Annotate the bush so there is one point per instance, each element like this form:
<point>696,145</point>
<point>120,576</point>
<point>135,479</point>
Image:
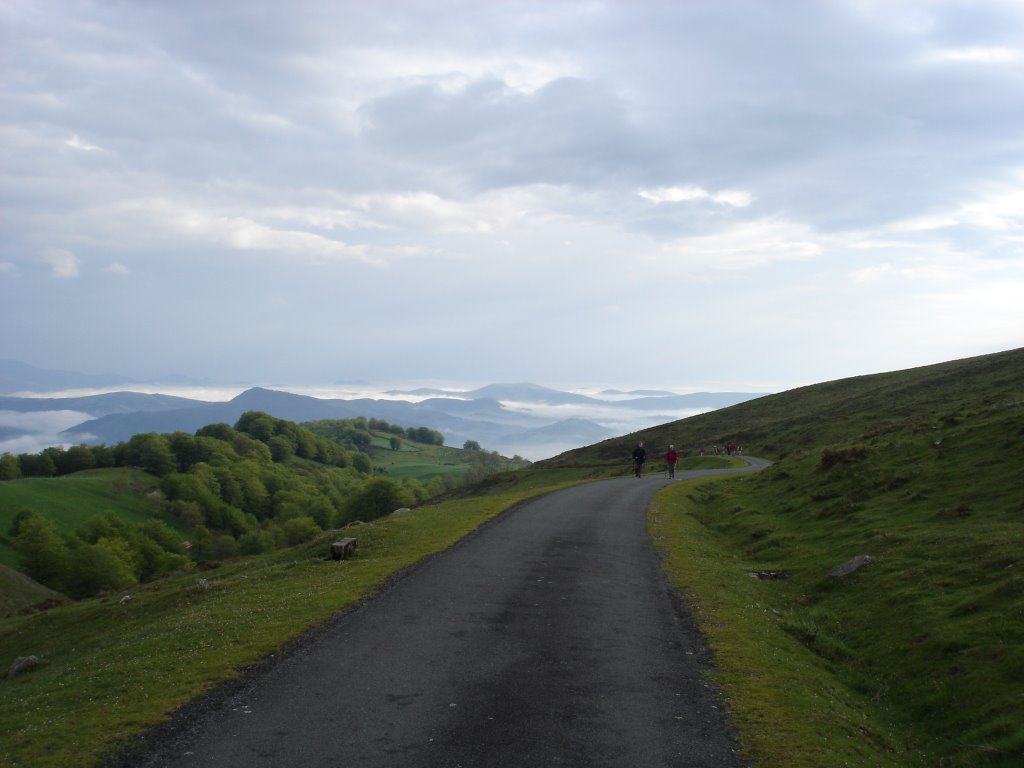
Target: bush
<point>853,454</point>
<point>42,553</point>
<point>299,529</point>
<point>256,542</point>
<point>378,497</point>
<point>100,567</point>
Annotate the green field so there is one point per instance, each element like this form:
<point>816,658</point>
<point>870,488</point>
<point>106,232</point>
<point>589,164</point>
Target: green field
<point>71,500</point>
<point>420,462</point>
<point>423,462</point>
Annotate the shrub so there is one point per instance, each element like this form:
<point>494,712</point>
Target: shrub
<point>852,454</point>
<point>256,542</point>
<point>299,529</point>
<point>94,568</point>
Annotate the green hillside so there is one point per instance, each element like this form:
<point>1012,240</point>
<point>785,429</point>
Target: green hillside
<point>931,401</point>
<point>423,462</point>
<point>71,500</point>
<point>918,658</point>
<point>20,593</point>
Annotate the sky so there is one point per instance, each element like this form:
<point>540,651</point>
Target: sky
<point>733,195</point>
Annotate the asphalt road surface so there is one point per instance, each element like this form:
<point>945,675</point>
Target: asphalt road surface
<point>548,638</point>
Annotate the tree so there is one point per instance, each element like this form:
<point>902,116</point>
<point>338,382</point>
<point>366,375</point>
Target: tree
<point>151,452</point>
<point>255,542</point>
<point>378,497</point>
<point>37,465</point>
<point>94,568</point>
<point>257,424</point>
<point>219,431</point>
<point>10,468</point>
<point>187,450</point>
<point>42,553</point>
<point>299,529</point>
<point>361,462</point>
<point>396,444</point>
<point>281,448</point>
<point>77,458</point>
<point>471,445</point>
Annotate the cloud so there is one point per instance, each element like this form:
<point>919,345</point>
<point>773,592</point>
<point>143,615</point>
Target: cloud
<point>907,271</point>
<point>493,160</point>
<point>734,197</point>
<point>748,245</point>
<point>979,55</point>
<point>230,230</point>
<point>76,143</point>
<point>483,134</point>
<point>32,432</point>
<point>63,263</point>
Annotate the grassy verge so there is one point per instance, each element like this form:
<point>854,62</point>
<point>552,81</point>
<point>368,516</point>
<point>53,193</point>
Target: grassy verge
<point>790,708</point>
<point>929,636</point>
<point>112,669</point>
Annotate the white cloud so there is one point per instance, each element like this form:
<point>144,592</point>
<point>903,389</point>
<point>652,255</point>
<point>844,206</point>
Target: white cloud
<point>911,271</point>
<point>231,230</point>
<point>924,223</point>
<point>733,197</point>
<point>34,431</point>
<point>117,268</point>
<point>1002,209</point>
<point>63,263</point>
<point>997,207</point>
<point>979,55</point>
<point>748,245</point>
<point>76,143</point>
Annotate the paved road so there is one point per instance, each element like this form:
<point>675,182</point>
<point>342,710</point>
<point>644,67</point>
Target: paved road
<point>550,638</point>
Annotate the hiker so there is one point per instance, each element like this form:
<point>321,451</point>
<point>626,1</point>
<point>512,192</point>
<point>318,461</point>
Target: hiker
<point>671,457</point>
<point>639,457</point>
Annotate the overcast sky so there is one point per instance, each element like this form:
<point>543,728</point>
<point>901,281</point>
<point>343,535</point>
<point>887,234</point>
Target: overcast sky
<point>737,194</point>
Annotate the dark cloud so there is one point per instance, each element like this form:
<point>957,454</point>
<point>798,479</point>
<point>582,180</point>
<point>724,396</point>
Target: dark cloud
<point>488,135</point>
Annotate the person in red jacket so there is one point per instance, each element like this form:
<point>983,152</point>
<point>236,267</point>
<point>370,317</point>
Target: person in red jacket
<point>671,457</point>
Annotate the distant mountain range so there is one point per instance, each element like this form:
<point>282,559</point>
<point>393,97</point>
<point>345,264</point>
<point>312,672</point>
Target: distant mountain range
<point>508,418</point>
<point>16,376</point>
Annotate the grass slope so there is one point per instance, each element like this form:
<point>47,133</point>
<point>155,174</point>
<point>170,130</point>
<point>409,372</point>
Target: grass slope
<point>423,462</point>
<point>918,658</point>
<point>20,593</point>
<point>71,500</point>
<point>929,400</point>
<point>111,669</point>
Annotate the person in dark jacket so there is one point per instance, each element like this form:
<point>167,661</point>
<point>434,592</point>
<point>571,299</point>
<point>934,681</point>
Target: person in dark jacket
<point>639,457</point>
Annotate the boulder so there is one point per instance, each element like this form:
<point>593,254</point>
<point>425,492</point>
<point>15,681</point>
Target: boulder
<point>850,567</point>
<point>21,664</point>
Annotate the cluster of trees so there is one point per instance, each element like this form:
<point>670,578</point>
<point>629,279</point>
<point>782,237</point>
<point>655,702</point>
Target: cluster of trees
<point>357,433</point>
<point>256,435</point>
<point>261,484</point>
<point>106,553</point>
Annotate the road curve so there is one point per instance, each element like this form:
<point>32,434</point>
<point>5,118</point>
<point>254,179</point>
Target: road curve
<point>549,638</point>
